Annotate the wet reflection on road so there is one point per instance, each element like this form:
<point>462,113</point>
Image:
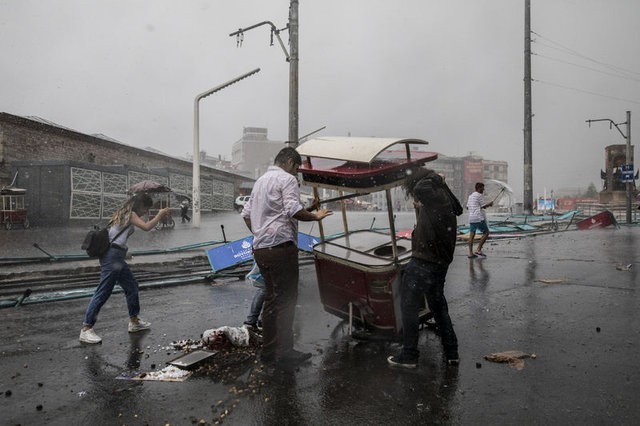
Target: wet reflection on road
<point>355,376</point>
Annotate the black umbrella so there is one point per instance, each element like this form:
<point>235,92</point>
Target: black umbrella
<point>182,197</point>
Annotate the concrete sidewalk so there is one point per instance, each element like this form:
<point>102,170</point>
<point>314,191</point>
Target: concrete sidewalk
<point>570,298</point>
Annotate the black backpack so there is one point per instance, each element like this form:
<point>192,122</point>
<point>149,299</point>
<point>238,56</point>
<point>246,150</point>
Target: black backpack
<point>96,243</point>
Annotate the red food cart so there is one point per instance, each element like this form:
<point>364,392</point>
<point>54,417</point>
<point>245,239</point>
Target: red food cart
<point>12,208</point>
<point>359,271</point>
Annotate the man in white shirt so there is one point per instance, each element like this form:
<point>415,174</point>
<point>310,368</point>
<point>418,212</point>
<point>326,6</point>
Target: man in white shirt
<point>477,220</point>
<point>272,215</point>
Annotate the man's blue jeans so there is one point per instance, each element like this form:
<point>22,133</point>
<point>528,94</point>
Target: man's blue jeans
<point>256,306</point>
<point>113,269</point>
<point>420,279</point>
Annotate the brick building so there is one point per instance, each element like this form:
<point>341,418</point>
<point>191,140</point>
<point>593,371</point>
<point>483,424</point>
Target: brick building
<point>71,176</point>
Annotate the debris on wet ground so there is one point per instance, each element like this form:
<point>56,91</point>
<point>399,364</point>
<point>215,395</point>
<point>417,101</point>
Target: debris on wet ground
<point>191,359</point>
<point>223,355</point>
<point>187,344</point>
<point>167,374</point>
<point>621,267</point>
<point>223,337</point>
<point>551,280</point>
<point>515,359</point>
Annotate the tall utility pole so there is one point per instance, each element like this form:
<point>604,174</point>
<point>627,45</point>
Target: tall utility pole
<point>293,74</point>
<point>628,159</point>
<point>527,197</point>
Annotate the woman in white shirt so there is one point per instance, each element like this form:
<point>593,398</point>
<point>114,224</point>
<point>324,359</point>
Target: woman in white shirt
<point>114,268</point>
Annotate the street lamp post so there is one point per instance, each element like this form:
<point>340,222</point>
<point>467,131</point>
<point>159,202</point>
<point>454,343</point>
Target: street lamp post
<point>628,159</point>
<point>196,143</point>
<point>292,58</point>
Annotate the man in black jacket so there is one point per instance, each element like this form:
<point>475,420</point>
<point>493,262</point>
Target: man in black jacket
<point>433,243</point>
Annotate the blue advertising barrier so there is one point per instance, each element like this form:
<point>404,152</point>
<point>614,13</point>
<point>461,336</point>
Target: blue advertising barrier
<point>239,251</point>
<point>230,254</point>
<point>306,242</point>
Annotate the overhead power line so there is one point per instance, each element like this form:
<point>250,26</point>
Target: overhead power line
<point>585,91</point>
<point>580,55</point>
<point>624,77</point>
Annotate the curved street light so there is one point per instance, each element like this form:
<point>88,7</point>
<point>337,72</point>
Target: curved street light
<point>196,143</point>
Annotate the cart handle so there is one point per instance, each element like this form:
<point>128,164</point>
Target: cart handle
<point>316,203</point>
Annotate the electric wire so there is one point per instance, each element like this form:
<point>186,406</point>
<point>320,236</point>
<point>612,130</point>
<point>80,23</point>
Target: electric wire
<point>585,91</point>
<point>618,72</point>
<point>587,68</point>
<point>576,53</point>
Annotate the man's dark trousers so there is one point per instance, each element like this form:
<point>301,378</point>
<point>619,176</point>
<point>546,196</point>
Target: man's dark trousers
<point>420,279</point>
<point>279,267</point>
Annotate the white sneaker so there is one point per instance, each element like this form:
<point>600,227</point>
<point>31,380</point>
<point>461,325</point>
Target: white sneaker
<point>138,326</point>
<point>89,336</point>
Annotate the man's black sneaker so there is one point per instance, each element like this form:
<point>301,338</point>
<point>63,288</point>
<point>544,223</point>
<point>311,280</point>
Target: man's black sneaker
<point>256,328</point>
<point>401,361</point>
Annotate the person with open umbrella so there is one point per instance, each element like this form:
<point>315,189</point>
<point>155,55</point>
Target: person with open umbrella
<point>184,210</point>
<point>114,268</point>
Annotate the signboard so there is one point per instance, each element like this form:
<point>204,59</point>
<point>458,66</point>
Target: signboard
<point>306,242</point>
<point>230,254</point>
<point>240,251</point>
<point>546,204</point>
<point>626,174</point>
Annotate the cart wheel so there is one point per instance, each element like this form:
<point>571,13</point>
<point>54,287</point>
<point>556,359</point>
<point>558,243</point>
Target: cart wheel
<point>25,224</point>
<point>171,223</point>
<point>158,226</point>
<point>8,225</point>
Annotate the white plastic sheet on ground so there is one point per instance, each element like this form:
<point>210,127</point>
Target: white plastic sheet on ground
<point>237,336</point>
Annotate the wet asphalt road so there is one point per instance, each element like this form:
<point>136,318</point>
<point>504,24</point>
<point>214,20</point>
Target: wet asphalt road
<point>584,330</point>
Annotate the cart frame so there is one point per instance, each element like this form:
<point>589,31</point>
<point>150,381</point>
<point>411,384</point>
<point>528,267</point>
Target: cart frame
<point>12,208</point>
<point>359,272</point>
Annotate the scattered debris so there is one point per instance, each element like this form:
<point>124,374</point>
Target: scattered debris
<point>187,344</point>
<point>224,337</point>
<point>167,374</point>
<point>600,220</point>
<point>191,359</point>
<point>621,267</point>
<point>551,281</point>
<point>515,359</point>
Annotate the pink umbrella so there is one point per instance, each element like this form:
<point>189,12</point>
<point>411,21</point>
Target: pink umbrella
<point>149,186</point>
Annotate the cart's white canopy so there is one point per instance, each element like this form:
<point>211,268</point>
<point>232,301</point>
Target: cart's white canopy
<point>358,149</point>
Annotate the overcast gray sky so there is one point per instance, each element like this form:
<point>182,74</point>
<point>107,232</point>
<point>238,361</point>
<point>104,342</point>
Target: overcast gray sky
<point>448,71</point>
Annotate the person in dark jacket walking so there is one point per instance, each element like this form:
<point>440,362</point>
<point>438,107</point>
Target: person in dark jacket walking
<point>184,210</point>
<point>433,243</point>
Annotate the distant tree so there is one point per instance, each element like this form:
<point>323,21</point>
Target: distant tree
<point>592,192</point>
